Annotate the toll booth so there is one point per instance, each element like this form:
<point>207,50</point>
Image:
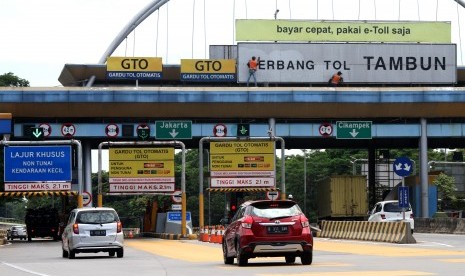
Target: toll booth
<point>170,222</point>
<point>414,184</point>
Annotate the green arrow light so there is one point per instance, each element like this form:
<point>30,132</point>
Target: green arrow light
<point>143,134</point>
<point>243,130</point>
<point>37,133</point>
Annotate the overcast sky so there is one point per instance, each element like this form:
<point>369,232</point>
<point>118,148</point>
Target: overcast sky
<point>39,37</point>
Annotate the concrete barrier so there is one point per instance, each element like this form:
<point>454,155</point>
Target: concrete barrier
<point>2,236</point>
<point>394,232</point>
<point>440,225</point>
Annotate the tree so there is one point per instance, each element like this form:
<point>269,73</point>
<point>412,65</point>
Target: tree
<point>446,187</point>
<point>10,80</point>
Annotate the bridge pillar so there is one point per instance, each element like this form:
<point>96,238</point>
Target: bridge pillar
<point>424,169</point>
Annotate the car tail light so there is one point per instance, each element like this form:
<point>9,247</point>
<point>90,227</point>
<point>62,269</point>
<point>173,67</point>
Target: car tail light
<point>119,227</point>
<point>76,228</point>
<point>383,216</point>
<point>247,222</point>
<point>304,221</point>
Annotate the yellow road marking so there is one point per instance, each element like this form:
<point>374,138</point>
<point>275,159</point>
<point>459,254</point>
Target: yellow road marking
<point>380,249</point>
<point>452,260</point>
<point>191,252</point>
<point>359,273</point>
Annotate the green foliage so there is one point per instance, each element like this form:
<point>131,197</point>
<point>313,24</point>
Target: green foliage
<point>10,80</point>
<point>446,186</point>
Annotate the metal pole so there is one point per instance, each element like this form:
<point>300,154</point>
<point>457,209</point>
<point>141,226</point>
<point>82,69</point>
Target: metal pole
<point>305,181</point>
<point>424,169</point>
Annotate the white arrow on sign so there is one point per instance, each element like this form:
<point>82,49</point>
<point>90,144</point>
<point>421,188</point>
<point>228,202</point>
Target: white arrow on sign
<point>353,133</point>
<point>399,167</point>
<point>173,133</point>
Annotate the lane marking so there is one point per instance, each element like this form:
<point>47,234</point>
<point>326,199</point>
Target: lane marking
<point>451,260</point>
<point>359,273</point>
<point>24,269</point>
<point>388,250</point>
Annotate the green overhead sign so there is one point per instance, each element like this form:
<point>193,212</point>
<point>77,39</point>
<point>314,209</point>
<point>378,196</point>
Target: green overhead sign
<point>173,130</point>
<point>353,129</point>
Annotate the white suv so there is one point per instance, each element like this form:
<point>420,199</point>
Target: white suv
<point>390,211</point>
<point>92,230</point>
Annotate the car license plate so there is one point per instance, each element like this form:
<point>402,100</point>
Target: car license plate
<point>98,232</point>
<point>277,229</point>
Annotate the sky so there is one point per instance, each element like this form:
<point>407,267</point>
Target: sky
<point>40,36</point>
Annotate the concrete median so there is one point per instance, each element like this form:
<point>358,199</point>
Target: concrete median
<point>394,232</point>
<point>440,225</point>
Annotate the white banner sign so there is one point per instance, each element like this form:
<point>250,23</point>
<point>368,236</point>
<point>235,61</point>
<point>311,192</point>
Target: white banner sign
<point>46,186</point>
<point>242,182</point>
<point>141,180</point>
<point>358,62</point>
<point>136,188</point>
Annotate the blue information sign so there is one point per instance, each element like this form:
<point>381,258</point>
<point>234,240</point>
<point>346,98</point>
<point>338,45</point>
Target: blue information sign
<point>5,126</point>
<point>403,166</point>
<point>37,163</point>
<point>176,216</point>
<point>403,197</point>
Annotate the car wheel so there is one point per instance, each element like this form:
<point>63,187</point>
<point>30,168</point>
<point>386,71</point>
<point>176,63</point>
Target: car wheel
<point>120,253</point>
<point>111,253</point>
<point>307,258</point>
<point>290,259</point>
<point>64,253</point>
<point>227,260</point>
<point>241,259</point>
<point>71,254</point>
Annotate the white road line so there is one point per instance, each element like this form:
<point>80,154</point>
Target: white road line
<point>24,270</point>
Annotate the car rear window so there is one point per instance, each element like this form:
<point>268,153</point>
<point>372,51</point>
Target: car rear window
<point>97,217</point>
<point>394,207</point>
<point>275,209</point>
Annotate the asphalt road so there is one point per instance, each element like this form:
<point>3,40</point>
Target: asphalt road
<point>431,255</point>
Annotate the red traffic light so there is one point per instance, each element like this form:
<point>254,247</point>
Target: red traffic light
<point>233,208</point>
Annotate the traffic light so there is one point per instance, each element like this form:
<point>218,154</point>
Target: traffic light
<point>232,204</point>
<point>243,130</point>
<point>37,133</point>
<point>143,134</point>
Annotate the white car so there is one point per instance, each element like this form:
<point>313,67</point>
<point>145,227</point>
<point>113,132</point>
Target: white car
<point>390,211</point>
<point>92,230</point>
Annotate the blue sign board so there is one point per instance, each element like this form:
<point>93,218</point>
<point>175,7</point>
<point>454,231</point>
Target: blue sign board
<point>403,197</point>
<point>176,216</point>
<point>403,166</point>
<point>5,126</point>
<point>37,163</point>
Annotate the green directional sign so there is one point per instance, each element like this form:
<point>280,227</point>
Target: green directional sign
<point>173,130</point>
<point>243,130</point>
<point>353,129</point>
<point>37,133</point>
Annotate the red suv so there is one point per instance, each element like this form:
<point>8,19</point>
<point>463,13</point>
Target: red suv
<point>267,228</point>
